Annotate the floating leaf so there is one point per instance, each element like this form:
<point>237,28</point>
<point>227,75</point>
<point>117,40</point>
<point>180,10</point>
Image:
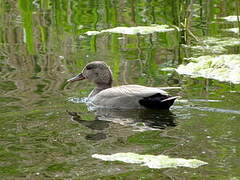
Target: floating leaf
<point>168,69</point>
<point>91,33</point>
<point>235,178</point>
<point>223,41</point>
<point>152,161</point>
<point>214,45</point>
<point>134,30</point>
<point>234,30</point>
<point>222,68</point>
<point>206,48</point>
<point>231,18</point>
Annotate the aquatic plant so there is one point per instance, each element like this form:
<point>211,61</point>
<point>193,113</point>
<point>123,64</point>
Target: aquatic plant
<point>214,44</point>
<point>230,18</point>
<point>152,161</point>
<point>133,30</point>
<point>222,67</point>
<point>234,30</point>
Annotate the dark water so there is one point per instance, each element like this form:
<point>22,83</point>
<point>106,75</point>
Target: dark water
<point>47,134</point>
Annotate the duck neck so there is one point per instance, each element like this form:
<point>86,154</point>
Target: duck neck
<point>99,88</point>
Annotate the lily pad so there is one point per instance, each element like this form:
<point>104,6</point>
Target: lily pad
<point>133,30</point>
<point>152,161</point>
<point>222,67</point>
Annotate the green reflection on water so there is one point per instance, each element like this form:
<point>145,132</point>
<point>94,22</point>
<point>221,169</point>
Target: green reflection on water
<point>26,9</point>
<point>7,86</point>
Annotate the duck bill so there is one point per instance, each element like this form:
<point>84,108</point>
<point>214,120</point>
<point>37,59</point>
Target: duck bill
<point>79,77</point>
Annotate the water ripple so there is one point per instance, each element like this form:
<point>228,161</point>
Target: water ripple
<point>209,109</point>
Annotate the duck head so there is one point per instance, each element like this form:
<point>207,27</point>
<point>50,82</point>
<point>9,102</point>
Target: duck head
<point>97,72</point>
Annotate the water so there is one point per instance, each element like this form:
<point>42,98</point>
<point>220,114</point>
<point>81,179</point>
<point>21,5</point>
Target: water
<point>46,136</point>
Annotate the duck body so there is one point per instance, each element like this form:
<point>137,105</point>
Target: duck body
<point>132,97</point>
<point>121,97</point>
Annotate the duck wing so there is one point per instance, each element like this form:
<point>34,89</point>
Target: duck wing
<point>157,101</point>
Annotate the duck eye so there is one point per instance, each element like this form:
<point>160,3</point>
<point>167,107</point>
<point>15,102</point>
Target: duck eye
<point>89,67</point>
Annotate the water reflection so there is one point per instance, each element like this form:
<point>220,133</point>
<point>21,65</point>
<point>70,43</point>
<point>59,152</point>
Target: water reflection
<point>94,124</point>
<point>140,120</point>
<point>96,137</point>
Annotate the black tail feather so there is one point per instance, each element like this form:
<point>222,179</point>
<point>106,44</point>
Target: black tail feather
<point>157,101</point>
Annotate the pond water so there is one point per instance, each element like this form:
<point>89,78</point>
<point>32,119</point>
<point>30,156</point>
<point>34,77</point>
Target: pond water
<point>48,132</point>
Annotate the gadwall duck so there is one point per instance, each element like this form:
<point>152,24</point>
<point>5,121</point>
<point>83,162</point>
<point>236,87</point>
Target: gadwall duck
<point>122,97</point>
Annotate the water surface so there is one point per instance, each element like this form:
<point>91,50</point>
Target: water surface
<point>46,136</point>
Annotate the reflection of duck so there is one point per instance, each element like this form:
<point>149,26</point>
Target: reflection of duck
<point>94,124</point>
<point>123,97</point>
<point>141,119</point>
